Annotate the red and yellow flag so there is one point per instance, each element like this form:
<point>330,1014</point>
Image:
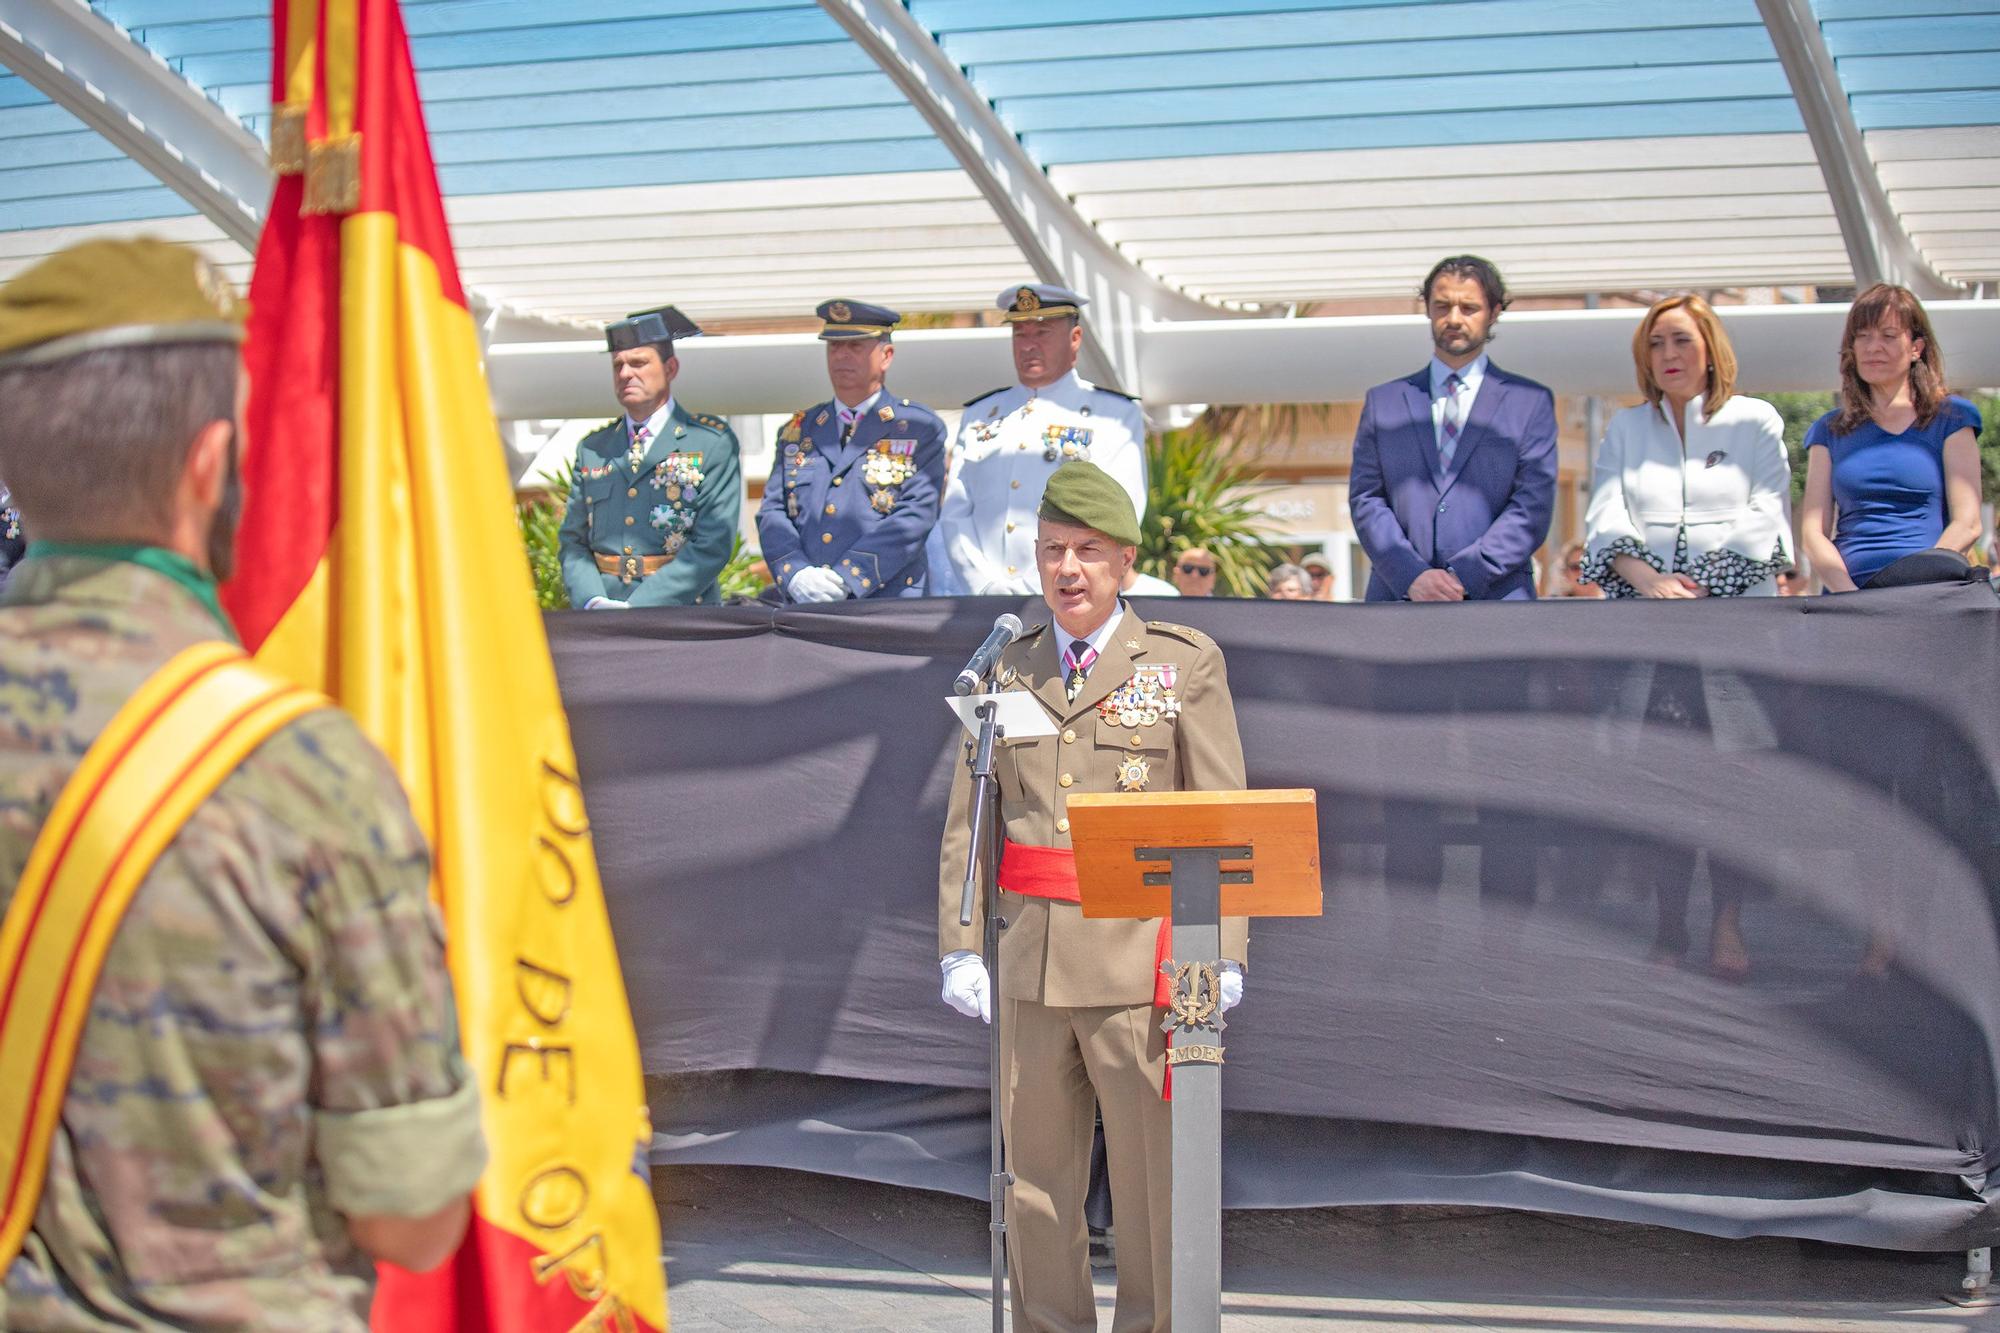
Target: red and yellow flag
<point>380,562</point>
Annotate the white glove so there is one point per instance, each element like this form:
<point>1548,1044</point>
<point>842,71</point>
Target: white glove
<point>606,604</point>
<point>816,583</point>
<point>965,986</point>
<point>1230,977</point>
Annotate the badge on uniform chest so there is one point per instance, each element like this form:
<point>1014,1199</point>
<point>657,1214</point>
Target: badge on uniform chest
<point>1065,442</point>
<point>1146,699</point>
<point>678,478</point>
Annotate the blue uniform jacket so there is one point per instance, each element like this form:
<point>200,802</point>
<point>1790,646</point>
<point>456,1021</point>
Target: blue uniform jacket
<point>862,509</point>
<point>1484,516</point>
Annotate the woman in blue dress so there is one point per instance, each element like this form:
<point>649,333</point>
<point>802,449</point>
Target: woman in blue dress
<point>1893,470</point>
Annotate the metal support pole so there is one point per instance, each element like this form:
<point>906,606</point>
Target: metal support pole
<point>981,860</point>
<point>1195,1066</point>
<point>1976,1287</point>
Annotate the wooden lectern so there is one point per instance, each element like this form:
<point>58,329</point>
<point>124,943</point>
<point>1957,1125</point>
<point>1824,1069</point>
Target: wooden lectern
<point>1199,856</point>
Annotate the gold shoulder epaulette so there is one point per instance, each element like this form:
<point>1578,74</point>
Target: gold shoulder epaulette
<point>1187,633</point>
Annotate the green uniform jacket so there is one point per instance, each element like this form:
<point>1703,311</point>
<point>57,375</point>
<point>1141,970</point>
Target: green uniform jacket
<point>683,501</point>
<point>1122,733</point>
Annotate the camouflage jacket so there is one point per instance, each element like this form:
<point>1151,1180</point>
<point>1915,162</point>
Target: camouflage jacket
<point>272,1044</point>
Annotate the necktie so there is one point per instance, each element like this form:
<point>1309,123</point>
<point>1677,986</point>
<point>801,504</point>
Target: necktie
<point>640,435</point>
<point>1077,659</point>
<point>847,420</point>
<point>1448,434</point>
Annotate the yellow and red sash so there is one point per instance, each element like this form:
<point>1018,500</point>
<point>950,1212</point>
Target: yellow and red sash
<point>167,750</point>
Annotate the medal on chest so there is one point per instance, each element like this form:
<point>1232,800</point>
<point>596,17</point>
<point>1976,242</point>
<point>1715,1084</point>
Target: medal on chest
<point>1065,442</point>
<point>1133,772</point>
<point>1145,699</point>
<point>678,478</point>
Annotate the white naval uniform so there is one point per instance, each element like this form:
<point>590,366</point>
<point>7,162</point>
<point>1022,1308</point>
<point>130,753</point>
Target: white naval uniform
<point>999,469</point>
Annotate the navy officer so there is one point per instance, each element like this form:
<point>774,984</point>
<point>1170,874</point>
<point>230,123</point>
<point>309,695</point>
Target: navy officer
<point>1013,439</point>
<point>654,504</point>
<point>855,490</point>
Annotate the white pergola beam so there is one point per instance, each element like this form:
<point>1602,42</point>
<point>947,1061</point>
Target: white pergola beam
<point>1877,246</point>
<point>95,70</point>
<point>1779,347</point>
<point>1059,244</point>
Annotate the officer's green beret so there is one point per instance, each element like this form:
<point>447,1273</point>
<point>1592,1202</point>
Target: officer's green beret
<point>116,294</point>
<point>1084,494</point>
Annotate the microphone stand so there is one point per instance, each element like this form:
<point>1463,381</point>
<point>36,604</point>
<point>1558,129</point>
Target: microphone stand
<point>980,856</point>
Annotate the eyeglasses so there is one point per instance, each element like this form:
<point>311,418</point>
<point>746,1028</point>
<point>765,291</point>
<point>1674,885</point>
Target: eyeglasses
<point>1203,570</point>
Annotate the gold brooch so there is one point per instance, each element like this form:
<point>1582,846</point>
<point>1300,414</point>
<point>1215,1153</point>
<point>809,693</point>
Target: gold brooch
<point>1195,999</point>
<point>1132,774</point>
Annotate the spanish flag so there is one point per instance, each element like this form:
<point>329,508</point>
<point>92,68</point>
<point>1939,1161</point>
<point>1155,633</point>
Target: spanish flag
<point>379,562</point>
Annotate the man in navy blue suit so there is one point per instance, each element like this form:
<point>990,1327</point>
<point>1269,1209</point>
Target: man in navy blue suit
<point>1454,475</point>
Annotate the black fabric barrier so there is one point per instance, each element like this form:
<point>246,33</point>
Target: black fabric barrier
<point>1531,817</point>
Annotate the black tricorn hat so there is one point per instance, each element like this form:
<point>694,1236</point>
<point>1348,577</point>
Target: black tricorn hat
<point>642,328</point>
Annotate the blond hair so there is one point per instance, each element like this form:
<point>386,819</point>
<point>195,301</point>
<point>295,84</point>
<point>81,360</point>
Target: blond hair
<point>1720,355</point>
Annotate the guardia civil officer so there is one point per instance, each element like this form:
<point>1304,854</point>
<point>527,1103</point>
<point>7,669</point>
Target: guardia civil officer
<point>1138,706</point>
<point>1011,441</point>
<point>654,506</point>
<point>855,491</point>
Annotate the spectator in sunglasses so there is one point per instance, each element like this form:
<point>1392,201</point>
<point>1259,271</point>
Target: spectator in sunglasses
<point>1194,573</point>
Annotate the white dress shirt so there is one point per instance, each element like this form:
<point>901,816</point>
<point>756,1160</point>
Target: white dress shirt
<point>1099,639</point>
<point>857,412</point>
<point>1470,377</point>
<point>999,468</point>
<point>1729,482</point>
<point>654,424</point>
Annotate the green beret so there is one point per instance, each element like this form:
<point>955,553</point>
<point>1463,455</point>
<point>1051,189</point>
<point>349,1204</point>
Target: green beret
<point>1084,494</point>
<point>116,294</point>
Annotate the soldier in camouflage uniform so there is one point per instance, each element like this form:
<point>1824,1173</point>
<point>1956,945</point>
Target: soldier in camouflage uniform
<point>268,1092</point>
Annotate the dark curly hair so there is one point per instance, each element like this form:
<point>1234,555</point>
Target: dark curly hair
<point>1479,270</point>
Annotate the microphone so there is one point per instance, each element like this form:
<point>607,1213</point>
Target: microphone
<point>1006,629</point>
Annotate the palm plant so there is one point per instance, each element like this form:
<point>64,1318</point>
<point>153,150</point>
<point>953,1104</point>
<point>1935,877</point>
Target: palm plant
<point>540,521</point>
<point>1199,496</point>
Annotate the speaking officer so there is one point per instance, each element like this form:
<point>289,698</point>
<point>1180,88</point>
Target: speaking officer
<point>1140,706</point>
<point>655,500</point>
<point>1012,439</point>
<point>856,490</point>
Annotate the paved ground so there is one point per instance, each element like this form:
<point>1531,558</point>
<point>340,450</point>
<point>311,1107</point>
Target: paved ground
<point>753,1248</point>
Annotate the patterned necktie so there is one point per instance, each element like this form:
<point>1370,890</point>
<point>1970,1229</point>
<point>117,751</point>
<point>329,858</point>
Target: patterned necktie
<point>847,419</point>
<point>1448,434</point>
<point>637,454</point>
<point>1076,660</point>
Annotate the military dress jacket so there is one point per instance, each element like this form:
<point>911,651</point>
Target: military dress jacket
<point>864,508</point>
<point>680,505</point>
<point>271,1044</point>
<point>1009,442</point>
<point>1154,714</point>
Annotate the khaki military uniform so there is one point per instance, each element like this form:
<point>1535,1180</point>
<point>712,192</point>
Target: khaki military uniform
<point>1076,995</point>
<point>271,1045</point>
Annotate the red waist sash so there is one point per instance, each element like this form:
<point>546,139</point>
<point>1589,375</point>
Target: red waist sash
<point>1050,872</point>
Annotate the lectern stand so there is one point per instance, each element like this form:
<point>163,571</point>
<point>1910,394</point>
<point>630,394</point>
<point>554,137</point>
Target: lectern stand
<point>1205,855</point>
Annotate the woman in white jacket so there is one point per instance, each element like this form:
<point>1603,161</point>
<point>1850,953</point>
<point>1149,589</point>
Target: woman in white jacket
<point>1692,498</point>
<point>1692,491</point>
